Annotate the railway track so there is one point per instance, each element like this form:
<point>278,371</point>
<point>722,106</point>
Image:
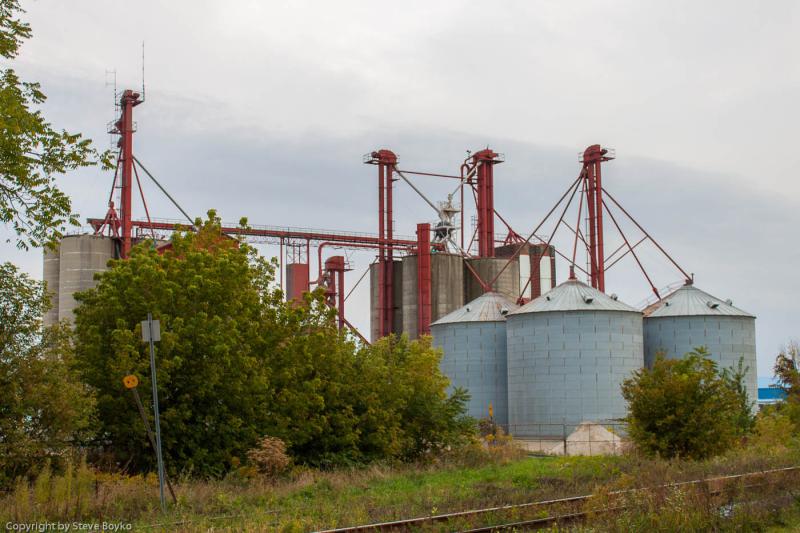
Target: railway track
<point>563,511</point>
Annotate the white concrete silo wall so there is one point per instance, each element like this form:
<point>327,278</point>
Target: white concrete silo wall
<point>81,256</point>
<point>566,367</point>
<point>475,359</point>
<point>50,274</point>
<point>727,338</point>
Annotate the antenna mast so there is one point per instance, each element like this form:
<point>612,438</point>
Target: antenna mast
<point>143,93</point>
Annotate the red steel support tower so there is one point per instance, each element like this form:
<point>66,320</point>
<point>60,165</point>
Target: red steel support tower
<point>334,287</point>
<point>125,127</point>
<point>593,156</point>
<point>485,161</point>
<point>424,279</point>
<point>386,161</point>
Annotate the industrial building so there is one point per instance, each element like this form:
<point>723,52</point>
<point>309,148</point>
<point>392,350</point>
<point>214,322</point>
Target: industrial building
<point>541,354</point>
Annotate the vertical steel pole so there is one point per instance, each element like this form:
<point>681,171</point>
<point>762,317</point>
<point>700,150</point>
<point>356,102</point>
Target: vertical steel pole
<point>340,294</point>
<point>461,192</point>
<point>485,161</point>
<point>156,420</point>
<point>281,262</point>
<point>125,127</point>
<point>598,187</point>
<point>151,438</point>
<point>591,198</point>
<point>381,257</point>
<point>389,293</point>
<point>423,279</point>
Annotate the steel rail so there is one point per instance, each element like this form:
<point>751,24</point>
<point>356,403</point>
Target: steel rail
<point>715,484</point>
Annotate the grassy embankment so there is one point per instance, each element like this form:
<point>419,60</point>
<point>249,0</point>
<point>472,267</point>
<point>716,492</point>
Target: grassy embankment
<point>308,500</point>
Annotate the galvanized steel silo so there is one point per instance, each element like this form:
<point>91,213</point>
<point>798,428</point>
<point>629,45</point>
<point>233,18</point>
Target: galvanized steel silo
<point>689,318</point>
<point>473,339</point>
<point>568,352</point>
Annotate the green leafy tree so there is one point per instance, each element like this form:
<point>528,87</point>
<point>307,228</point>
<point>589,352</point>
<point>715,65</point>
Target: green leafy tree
<point>736,378</point>
<point>44,408</point>
<point>683,408</point>
<point>32,152</point>
<point>406,411</point>
<point>787,374</point>
<point>236,364</point>
<point>214,388</point>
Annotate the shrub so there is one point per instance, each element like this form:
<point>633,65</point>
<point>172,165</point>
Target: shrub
<point>774,430</point>
<point>788,377</point>
<point>45,410</point>
<point>269,457</point>
<point>683,408</point>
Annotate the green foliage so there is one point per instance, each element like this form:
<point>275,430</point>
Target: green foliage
<point>736,380</point>
<point>44,408</point>
<point>67,494</point>
<point>787,373</point>
<point>405,411</point>
<point>32,152</point>
<point>236,363</point>
<point>684,408</point>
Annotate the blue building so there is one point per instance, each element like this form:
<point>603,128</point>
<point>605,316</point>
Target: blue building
<point>770,395</point>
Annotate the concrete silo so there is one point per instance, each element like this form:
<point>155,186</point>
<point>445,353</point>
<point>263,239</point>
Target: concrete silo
<point>447,289</point>
<point>50,274</point>
<point>487,268</point>
<point>689,318</point>
<point>397,290</point>
<point>568,353</point>
<point>71,268</point>
<point>473,339</point>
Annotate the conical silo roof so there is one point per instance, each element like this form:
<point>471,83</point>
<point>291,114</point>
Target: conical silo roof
<point>489,307</point>
<point>691,301</point>
<point>573,295</point>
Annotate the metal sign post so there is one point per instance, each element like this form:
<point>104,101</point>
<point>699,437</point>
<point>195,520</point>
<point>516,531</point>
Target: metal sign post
<point>151,332</point>
<point>131,382</point>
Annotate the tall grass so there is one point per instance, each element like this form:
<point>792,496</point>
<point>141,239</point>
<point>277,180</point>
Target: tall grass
<point>306,499</point>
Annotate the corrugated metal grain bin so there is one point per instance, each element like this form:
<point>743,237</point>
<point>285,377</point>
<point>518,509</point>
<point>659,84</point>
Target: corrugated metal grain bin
<point>568,353</point>
<point>689,318</point>
<point>473,339</point>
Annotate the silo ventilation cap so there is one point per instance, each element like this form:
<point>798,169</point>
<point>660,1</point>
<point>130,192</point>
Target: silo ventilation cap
<point>729,301</point>
<point>588,299</point>
<point>469,309</point>
<point>614,296</point>
<point>504,311</point>
<point>712,305</point>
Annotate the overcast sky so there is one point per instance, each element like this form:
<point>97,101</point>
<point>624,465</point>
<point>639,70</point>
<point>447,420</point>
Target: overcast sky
<point>264,109</point>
